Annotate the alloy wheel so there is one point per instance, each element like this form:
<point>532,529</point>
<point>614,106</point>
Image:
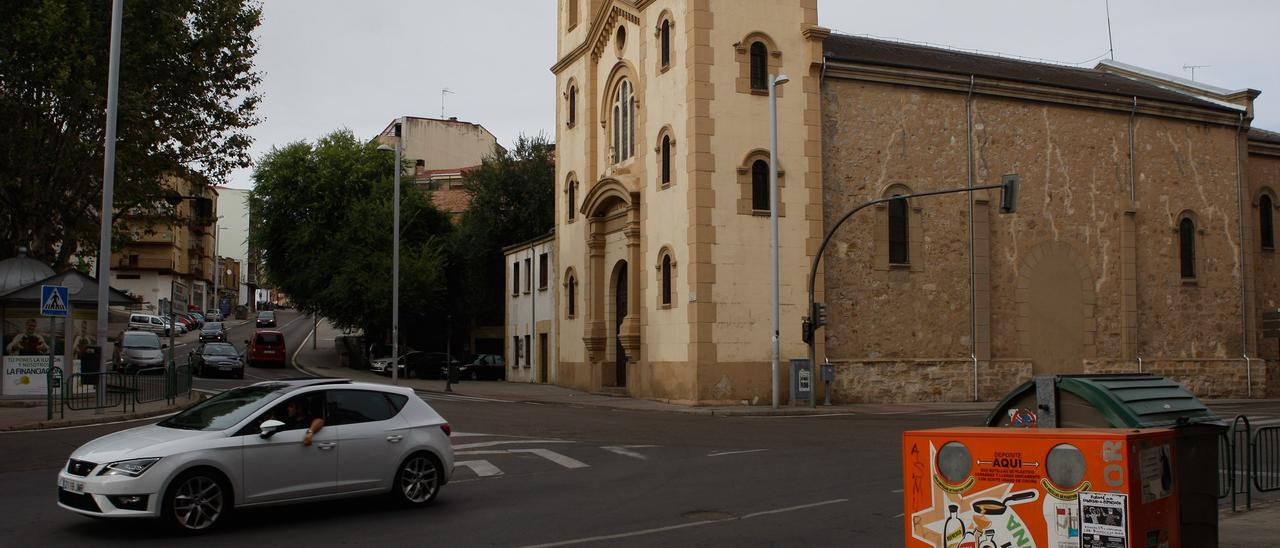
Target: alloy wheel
<point>198,503</point>
<point>419,479</point>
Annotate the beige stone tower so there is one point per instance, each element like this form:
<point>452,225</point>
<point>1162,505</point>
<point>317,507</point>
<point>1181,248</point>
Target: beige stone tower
<point>662,248</point>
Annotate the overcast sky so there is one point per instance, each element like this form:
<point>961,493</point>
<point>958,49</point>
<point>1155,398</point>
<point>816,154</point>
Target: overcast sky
<point>329,64</point>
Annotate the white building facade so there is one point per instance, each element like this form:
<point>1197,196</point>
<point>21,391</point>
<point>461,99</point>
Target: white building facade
<point>530,347</point>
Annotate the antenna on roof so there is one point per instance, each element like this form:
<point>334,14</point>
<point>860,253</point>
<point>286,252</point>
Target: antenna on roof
<point>1111,45</point>
<point>442,92</point>
<point>1193,68</point>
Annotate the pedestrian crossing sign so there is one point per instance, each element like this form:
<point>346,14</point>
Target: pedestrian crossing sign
<point>53,300</point>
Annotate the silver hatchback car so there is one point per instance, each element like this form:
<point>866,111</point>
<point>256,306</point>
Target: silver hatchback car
<point>269,443</point>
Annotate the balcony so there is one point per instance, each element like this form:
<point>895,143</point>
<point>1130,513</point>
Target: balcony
<point>134,262</point>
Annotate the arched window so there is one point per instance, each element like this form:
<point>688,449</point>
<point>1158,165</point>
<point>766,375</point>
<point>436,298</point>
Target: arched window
<point>759,66</point>
<point>573,105</point>
<point>1187,247</point>
<point>623,123</point>
<point>760,185</point>
<point>666,159</point>
<point>572,294</point>
<point>899,233</point>
<point>666,280</point>
<point>664,39</point>
<point>1265,222</point>
<point>573,199</point>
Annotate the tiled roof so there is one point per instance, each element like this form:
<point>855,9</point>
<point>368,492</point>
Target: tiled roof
<point>859,49</point>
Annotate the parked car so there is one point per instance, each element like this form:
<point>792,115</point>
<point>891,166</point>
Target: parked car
<point>482,366</point>
<point>190,321</point>
<point>139,350</point>
<point>198,317</point>
<point>266,318</point>
<point>183,470</point>
<point>148,322</point>
<point>382,366</point>
<point>435,365</point>
<point>213,331</point>
<point>213,315</point>
<point>266,347</point>
<point>220,357</point>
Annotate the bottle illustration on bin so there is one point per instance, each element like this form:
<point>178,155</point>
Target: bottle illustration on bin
<point>988,539</point>
<point>953,528</point>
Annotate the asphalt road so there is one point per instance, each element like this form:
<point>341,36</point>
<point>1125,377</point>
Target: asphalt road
<point>533,475</point>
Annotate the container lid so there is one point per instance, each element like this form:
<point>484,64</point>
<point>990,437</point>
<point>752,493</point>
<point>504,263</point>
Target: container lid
<point>1124,401</point>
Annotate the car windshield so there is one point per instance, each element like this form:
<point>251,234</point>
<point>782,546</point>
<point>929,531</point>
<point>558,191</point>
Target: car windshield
<point>268,338</point>
<point>213,326</point>
<point>145,341</point>
<point>267,315</point>
<point>226,409</point>
<point>220,350</point>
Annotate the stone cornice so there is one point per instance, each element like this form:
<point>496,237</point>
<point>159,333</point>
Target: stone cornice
<point>1261,148</point>
<point>597,34</point>
<point>1021,90</point>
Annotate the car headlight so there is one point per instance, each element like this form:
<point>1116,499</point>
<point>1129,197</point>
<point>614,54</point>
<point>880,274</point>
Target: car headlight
<point>131,468</point>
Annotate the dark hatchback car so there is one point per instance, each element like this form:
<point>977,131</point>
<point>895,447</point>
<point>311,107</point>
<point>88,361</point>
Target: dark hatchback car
<point>217,357</point>
<point>213,332</point>
<point>482,366</point>
<point>266,318</point>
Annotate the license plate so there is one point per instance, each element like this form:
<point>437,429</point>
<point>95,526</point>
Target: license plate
<point>224,368</point>
<point>71,485</point>
<point>268,351</point>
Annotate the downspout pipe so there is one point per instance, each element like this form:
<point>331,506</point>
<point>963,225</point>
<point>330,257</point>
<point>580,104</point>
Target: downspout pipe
<point>1133,201</point>
<point>973,265</point>
<point>1244,270</point>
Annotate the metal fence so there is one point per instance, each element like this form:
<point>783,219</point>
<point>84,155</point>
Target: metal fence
<point>1266,458</point>
<point>1239,462</point>
<point>80,391</point>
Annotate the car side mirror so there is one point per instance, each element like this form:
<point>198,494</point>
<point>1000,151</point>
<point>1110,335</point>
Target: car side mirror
<point>269,428</point>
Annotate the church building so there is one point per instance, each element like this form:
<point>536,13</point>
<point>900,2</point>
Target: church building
<point>1144,238</point>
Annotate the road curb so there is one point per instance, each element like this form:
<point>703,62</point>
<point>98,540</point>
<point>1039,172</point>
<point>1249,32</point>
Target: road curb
<point>102,419</point>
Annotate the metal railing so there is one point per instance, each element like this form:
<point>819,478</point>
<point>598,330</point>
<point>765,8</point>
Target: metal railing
<point>1266,458</point>
<point>150,384</point>
<point>1224,465</point>
<point>1239,463</point>
<point>79,391</point>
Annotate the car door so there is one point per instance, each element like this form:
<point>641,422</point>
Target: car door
<point>282,468</point>
<point>157,324</point>
<point>370,432</point>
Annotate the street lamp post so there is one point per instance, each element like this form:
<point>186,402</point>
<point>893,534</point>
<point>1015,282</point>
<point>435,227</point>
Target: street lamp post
<point>108,184</point>
<point>774,82</point>
<point>395,264</point>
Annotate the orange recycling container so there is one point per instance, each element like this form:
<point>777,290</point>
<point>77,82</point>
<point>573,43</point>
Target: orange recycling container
<point>1040,487</point>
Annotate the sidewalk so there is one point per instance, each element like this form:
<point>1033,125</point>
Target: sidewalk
<point>1257,528</point>
<point>323,361</point>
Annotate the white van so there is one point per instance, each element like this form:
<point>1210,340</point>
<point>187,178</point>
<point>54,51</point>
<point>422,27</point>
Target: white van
<point>147,322</point>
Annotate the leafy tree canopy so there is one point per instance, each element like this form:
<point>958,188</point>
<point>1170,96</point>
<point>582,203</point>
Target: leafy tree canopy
<point>512,201</point>
<point>323,216</point>
<point>187,95</point>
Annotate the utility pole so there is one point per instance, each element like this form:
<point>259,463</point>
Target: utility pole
<point>774,82</point>
<point>108,189</point>
<point>443,91</point>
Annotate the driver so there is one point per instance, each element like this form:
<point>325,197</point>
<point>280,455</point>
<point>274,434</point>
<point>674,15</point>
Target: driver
<point>295,416</point>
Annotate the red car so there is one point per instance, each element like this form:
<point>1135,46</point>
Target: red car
<point>266,348</point>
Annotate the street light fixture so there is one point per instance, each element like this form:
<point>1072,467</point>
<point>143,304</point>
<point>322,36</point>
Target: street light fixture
<point>773,220</point>
<point>395,262</point>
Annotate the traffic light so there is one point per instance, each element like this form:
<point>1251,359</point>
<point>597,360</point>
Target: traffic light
<point>806,331</point>
<point>1009,193</point>
<point>819,315</point>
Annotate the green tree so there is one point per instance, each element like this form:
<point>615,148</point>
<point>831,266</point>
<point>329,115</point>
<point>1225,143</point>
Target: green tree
<point>323,217</point>
<point>187,95</point>
<point>512,200</point>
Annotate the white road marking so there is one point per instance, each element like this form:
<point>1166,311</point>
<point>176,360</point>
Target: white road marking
<point>682,525</point>
<point>626,450</point>
<point>484,452</point>
<point>723,453</point>
<point>562,460</point>
<point>816,416</point>
<point>504,442</point>
<point>482,468</point>
<point>899,515</point>
<point>294,362</point>
<point>896,491</point>
<point>457,397</point>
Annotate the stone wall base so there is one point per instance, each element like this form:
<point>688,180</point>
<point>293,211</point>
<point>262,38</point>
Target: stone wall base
<point>912,381</point>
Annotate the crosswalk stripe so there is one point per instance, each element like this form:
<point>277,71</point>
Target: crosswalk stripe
<point>626,450</point>
<point>482,468</point>
<point>458,397</point>
<point>562,460</point>
<point>503,442</point>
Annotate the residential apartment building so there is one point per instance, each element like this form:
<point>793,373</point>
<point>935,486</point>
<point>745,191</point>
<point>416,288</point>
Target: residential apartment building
<point>440,152</point>
<point>1143,241</point>
<point>531,311</point>
<point>160,255</point>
